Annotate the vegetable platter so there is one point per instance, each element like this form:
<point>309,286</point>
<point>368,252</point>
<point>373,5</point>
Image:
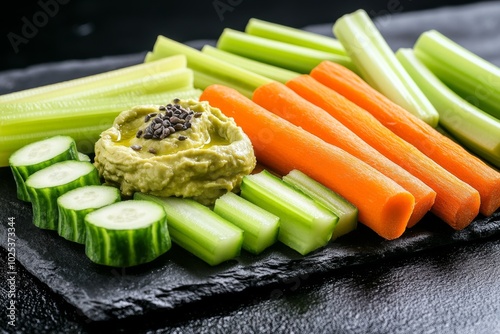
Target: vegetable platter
<point>178,278</point>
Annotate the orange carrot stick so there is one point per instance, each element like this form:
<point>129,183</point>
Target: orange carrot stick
<point>284,102</point>
<point>383,205</point>
<point>438,147</point>
<point>457,203</point>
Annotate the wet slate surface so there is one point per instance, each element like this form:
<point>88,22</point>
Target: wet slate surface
<point>449,273</point>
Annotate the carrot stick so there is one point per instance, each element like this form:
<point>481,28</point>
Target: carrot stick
<point>383,205</point>
<point>449,154</point>
<point>284,102</point>
<point>457,203</point>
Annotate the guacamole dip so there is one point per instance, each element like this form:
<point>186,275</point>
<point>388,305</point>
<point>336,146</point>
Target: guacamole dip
<point>185,149</point>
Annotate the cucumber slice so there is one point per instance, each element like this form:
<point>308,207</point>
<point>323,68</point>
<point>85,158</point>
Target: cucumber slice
<point>37,155</point>
<point>199,230</point>
<point>260,226</point>
<point>342,208</point>
<point>47,184</point>
<point>126,233</point>
<point>304,224</point>
<point>83,157</point>
<point>74,205</point>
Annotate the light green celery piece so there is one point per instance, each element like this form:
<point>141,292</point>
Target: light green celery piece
<point>95,81</point>
<point>292,57</point>
<point>378,65</point>
<point>472,127</point>
<point>222,72</point>
<point>177,79</point>
<point>202,80</point>
<point>272,72</point>
<point>342,208</point>
<point>260,227</point>
<point>85,138</point>
<point>199,230</point>
<point>472,77</point>
<point>304,224</point>
<point>58,115</point>
<point>283,33</point>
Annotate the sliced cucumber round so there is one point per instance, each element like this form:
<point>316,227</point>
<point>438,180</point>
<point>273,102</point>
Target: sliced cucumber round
<point>74,205</point>
<point>47,184</point>
<point>35,156</point>
<point>126,233</point>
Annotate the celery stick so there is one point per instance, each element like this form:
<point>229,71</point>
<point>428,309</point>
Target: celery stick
<point>156,83</point>
<point>85,138</point>
<point>472,127</point>
<point>294,36</point>
<point>304,224</point>
<point>224,72</point>
<point>96,81</point>
<point>79,106</point>
<point>199,230</point>
<point>378,65</point>
<point>272,72</point>
<point>292,57</point>
<point>58,115</point>
<point>260,227</point>
<point>202,80</point>
<point>472,77</point>
<point>346,211</point>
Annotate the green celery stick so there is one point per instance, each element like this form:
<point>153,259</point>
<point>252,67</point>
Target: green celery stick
<point>304,224</point>
<point>378,65</point>
<point>260,226</point>
<point>85,138</point>
<point>56,115</point>
<point>472,127</point>
<point>177,79</point>
<point>101,80</point>
<point>342,208</point>
<point>222,72</point>
<point>472,77</point>
<point>283,33</point>
<point>292,57</point>
<point>199,230</point>
<point>202,80</point>
<point>272,72</point>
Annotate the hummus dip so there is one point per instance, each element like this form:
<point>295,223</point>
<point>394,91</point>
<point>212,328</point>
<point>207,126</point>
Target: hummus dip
<point>184,149</point>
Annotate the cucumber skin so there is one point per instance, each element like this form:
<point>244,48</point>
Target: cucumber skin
<point>21,173</point>
<point>44,200</point>
<point>126,248</point>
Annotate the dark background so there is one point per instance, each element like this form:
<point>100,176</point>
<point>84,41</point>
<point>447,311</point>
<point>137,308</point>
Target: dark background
<point>52,30</point>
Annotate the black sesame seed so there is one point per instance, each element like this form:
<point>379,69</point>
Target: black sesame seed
<point>178,127</point>
<point>176,101</point>
<point>182,137</point>
<point>152,150</point>
<point>197,114</point>
<point>138,134</point>
<point>171,129</point>
<point>148,135</point>
<point>136,147</point>
<point>161,108</point>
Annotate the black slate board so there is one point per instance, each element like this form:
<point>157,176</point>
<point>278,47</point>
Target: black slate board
<point>177,278</point>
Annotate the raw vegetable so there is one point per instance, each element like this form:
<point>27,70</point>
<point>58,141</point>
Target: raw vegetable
<point>283,146</point>
<point>83,157</point>
<point>474,78</point>
<point>342,208</point>
<point>287,104</point>
<point>282,33</point>
<point>457,203</point>
<point>292,57</point>
<point>127,233</point>
<point>75,204</point>
<point>38,155</point>
<point>474,128</point>
<point>217,70</point>
<point>101,80</point>
<point>260,227</point>
<point>199,230</point>
<point>47,184</point>
<point>304,224</point>
<point>270,71</point>
<point>377,64</point>
<point>438,147</point>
